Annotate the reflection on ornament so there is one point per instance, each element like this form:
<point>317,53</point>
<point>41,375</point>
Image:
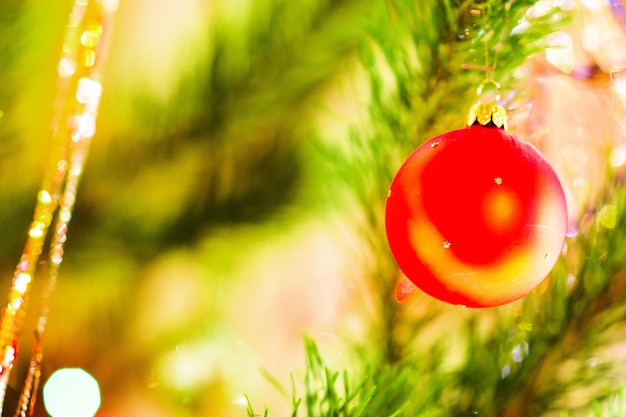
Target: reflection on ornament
<point>479,220</point>
<point>404,290</point>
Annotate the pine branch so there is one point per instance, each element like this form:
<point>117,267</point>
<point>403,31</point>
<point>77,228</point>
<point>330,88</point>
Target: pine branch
<point>614,405</point>
<point>252,91</point>
<point>576,321</point>
<point>406,389</point>
<point>255,76</point>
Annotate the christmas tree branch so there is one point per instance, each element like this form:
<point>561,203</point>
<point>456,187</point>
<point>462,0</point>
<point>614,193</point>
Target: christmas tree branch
<point>582,318</point>
<point>252,90</point>
<point>266,69</point>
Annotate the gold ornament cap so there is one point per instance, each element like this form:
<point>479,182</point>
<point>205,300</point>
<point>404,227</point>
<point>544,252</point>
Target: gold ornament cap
<point>486,110</point>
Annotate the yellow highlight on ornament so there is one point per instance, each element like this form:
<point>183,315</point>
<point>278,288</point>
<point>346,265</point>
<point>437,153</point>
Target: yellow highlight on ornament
<point>501,209</point>
<point>504,281</point>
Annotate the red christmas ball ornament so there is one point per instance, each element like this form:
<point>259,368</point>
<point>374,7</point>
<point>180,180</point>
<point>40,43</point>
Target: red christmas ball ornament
<point>476,216</point>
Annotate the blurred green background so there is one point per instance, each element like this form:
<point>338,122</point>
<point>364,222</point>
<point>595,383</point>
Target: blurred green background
<point>208,232</point>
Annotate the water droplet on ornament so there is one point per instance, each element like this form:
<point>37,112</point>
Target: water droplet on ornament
<point>546,256</point>
<point>497,180</point>
<point>404,290</point>
<point>434,144</point>
<point>389,193</point>
<point>446,244</point>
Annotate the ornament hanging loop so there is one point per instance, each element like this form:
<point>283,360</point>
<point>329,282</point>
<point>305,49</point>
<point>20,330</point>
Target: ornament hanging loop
<point>488,91</point>
<point>486,111</point>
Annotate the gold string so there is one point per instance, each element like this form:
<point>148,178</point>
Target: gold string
<point>486,43</point>
<point>486,113</point>
<point>507,10</point>
<point>75,111</point>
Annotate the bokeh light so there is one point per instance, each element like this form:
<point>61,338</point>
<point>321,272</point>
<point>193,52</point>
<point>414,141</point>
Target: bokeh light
<point>71,392</point>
